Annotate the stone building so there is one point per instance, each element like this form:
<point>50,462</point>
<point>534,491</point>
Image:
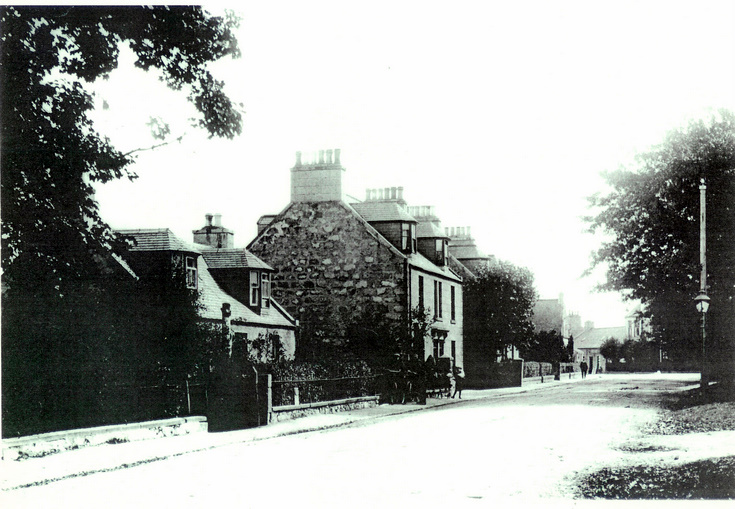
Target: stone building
<point>337,261</point>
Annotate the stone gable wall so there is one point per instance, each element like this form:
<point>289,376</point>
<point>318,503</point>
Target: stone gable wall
<point>329,268</point>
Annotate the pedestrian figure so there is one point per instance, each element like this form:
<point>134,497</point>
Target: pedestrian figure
<point>583,369</point>
<point>458,381</point>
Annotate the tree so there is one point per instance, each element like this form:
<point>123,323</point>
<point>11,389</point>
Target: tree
<point>77,329</point>
<point>611,350</point>
<point>51,151</point>
<point>545,346</point>
<point>498,306</point>
<point>652,218</point>
<point>570,348</point>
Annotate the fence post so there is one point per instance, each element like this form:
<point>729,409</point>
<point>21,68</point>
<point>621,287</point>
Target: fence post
<point>296,395</point>
<point>269,399</point>
<point>188,398</point>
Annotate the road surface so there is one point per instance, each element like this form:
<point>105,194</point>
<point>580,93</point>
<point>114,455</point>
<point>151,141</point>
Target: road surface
<point>521,447</point>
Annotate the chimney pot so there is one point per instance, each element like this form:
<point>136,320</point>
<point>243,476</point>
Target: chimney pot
<point>393,193</point>
<point>298,158</point>
<point>367,194</point>
<point>329,156</point>
<point>321,157</point>
<point>208,219</point>
<point>468,232</point>
<point>400,193</point>
<point>336,155</point>
<point>387,193</point>
<point>218,220</point>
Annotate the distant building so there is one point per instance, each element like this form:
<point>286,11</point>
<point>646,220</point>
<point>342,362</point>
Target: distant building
<point>587,345</point>
<point>637,323</point>
<point>548,315</point>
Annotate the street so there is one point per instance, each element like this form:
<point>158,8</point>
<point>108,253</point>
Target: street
<point>521,446</point>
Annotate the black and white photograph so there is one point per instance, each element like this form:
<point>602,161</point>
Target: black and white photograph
<point>389,254</point>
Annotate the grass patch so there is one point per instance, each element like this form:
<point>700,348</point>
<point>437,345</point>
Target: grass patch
<point>708,479</point>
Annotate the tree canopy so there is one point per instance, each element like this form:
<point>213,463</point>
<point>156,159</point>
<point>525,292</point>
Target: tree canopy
<point>498,306</point>
<point>651,216</point>
<point>51,153</point>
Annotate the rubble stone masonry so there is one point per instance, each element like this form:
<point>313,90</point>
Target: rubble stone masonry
<point>331,266</point>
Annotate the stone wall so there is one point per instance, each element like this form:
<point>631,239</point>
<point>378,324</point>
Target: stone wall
<point>286,413</point>
<point>330,267</point>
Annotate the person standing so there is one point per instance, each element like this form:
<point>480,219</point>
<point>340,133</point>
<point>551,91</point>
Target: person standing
<point>583,369</point>
<point>458,381</point>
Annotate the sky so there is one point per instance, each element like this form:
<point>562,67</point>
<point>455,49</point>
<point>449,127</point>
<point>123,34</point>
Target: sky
<point>502,115</point>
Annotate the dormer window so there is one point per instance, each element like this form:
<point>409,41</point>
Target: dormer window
<point>191,272</point>
<point>265,280</point>
<point>408,237</point>
<point>255,288</point>
<point>440,254</point>
<point>405,236</point>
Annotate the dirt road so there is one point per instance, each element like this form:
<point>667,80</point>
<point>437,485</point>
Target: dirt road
<point>519,448</point>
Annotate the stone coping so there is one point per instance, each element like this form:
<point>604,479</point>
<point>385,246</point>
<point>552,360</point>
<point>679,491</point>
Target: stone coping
<point>320,404</point>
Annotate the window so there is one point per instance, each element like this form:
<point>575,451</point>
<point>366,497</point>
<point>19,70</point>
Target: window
<point>265,285</point>
<point>453,304</point>
<point>438,348</point>
<point>408,237</point>
<point>421,292</point>
<point>191,272</point>
<point>438,337</point>
<point>437,300</point>
<point>440,248</point>
<point>254,288</point>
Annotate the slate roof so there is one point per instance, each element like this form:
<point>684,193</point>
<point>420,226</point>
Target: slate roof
<point>161,239</point>
<point>377,211</point>
<point>465,249</point>
<point>212,296</point>
<point>461,269</point>
<point>419,261</point>
<point>594,338</point>
<point>231,258</point>
<point>427,229</point>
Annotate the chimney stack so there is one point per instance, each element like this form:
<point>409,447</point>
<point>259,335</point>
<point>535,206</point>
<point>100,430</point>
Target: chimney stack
<point>317,180</point>
<point>213,234</point>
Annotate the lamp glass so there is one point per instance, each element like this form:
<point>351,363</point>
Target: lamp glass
<point>702,302</point>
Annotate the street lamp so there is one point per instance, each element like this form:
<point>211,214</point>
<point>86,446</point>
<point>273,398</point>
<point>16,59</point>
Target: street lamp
<point>702,300</point>
<point>702,303</point>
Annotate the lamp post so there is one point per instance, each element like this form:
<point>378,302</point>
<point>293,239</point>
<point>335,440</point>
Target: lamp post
<point>702,300</point>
